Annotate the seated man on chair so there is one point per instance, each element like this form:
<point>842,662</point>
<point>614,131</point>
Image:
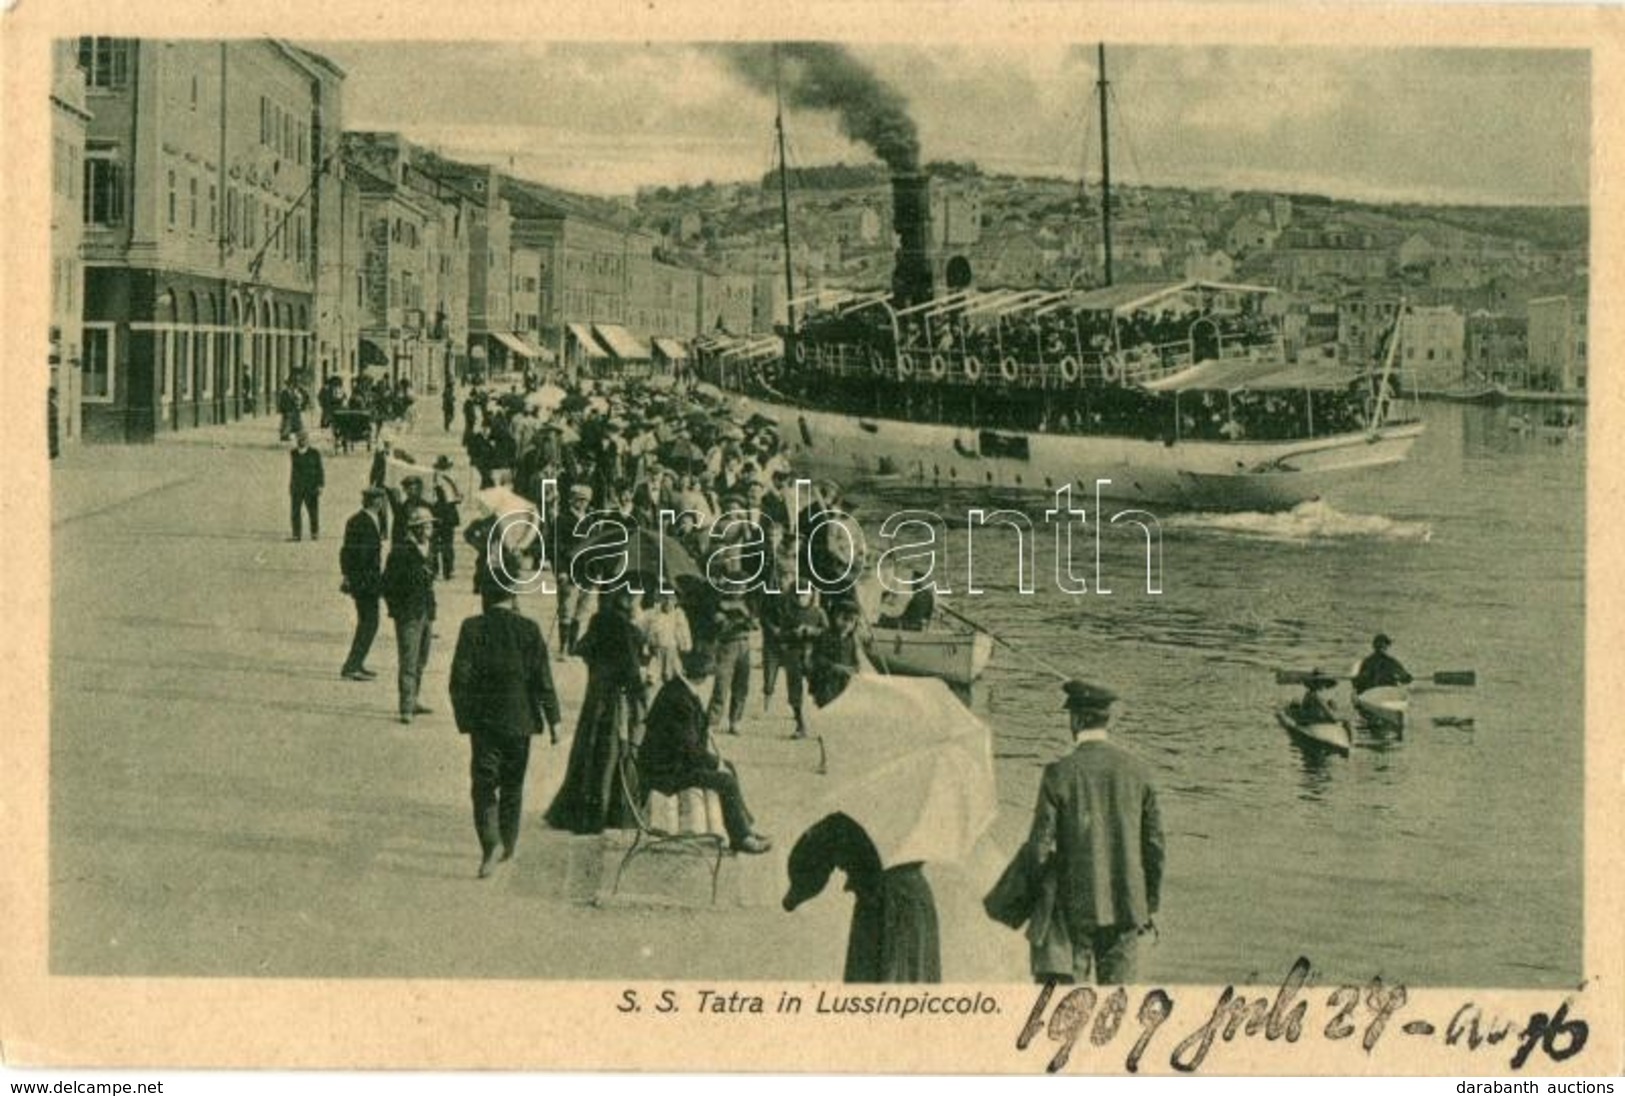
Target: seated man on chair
<point>677,752</point>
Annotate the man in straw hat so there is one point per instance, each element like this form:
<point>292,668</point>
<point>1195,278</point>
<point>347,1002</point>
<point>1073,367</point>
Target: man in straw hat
<point>409,593</point>
<point>1097,841</point>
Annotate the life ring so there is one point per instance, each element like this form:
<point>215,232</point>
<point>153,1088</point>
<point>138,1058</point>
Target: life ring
<point>1110,369</point>
<point>877,364</point>
<point>801,352</point>
<point>1069,369</point>
<point>973,368</point>
<point>905,364</point>
<point>1009,370</point>
<point>939,366</point>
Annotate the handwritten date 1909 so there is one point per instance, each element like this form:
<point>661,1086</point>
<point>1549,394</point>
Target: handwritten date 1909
<point>1365,1011</point>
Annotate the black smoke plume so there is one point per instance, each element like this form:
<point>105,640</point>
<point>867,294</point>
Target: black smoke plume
<point>824,76</point>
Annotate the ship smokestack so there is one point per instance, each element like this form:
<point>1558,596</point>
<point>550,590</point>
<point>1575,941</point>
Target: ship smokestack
<point>912,276</point>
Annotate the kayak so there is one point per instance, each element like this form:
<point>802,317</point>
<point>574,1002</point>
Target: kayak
<point>1384,707</point>
<point>1321,736</point>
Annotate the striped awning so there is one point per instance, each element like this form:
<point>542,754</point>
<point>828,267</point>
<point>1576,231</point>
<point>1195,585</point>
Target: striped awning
<point>621,342</point>
<point>582,335</point>
<point>672,349</point>
<point>522,346</point>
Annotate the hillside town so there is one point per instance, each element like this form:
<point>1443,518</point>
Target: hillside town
<point>218,231</point>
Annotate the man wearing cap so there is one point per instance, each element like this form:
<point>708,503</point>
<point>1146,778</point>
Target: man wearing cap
<point>361,562</point>
<point>1380,668</point>
<point>677,751</point>
<point>305,483</point>
<point>501,693</point>
<point>402,501</point>
<point>446,516</point>
<point>409,593</point>
<point>729,635</point>
<point>1097,839</point>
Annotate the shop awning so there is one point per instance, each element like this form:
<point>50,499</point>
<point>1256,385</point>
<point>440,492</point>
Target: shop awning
<point>621,342</point>
<point>522,346</point>
<point>582,335</point>
<point>672,349</point>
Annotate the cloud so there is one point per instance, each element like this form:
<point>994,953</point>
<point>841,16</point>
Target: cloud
<point>1509,126</point>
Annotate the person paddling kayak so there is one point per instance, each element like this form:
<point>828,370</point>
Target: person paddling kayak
<point>1379,667</point>
<point>1315,706</point>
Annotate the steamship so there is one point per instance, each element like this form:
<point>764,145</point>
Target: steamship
<point>1177,395</point>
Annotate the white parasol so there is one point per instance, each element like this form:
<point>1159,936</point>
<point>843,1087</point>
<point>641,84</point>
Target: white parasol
<point>911,765</point>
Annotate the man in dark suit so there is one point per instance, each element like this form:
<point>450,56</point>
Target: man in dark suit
<point>305,483</point>
<point>409,593</point>
<point>677,751</point>
<point>501,693</point>
<point>1097,839</point>
<point>361,560</point>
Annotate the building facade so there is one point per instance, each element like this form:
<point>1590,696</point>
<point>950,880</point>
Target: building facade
<point>69,117</point>
<point>200,258</point>
<point>1557,342</point>
<point>1432,343</point>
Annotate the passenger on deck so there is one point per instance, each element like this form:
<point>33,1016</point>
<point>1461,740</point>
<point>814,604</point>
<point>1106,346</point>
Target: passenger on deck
<point>1379,667</point>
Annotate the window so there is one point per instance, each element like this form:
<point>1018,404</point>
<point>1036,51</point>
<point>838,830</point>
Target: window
<point>194,91</point>
<point>300,142</point>
<point>265,120</point>
<point>106,62</point>
<point>104,185</point>
<point>214,212</point>
<point>191,215</point>
<point>171,202</point>
<point>231,215</point>
<point>96,365</point>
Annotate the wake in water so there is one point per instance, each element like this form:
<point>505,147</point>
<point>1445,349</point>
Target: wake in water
<point>1305,523</point>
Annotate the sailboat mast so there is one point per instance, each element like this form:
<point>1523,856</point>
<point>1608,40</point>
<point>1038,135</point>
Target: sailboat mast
<point>1105,168</point>
<point>784,200</point>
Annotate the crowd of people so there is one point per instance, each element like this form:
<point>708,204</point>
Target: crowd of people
<point>671,655</point>
<point>1040,336</point>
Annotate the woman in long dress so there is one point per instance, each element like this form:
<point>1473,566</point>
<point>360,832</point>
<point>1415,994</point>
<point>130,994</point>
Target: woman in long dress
<point>894,935</point>
<point>593,796</point>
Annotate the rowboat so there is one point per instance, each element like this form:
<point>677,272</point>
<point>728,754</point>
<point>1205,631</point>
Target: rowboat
<point>1384,707</point>
<point>1335,737</point>
<point>956,657</point>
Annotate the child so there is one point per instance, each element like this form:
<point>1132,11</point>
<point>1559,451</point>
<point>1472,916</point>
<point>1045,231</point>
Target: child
<point>666,638</point>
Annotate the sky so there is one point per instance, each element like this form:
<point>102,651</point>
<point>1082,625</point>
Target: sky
<point>1479,126</point>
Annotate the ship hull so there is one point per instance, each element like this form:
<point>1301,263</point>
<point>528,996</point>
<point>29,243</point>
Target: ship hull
<point>1194,475</point>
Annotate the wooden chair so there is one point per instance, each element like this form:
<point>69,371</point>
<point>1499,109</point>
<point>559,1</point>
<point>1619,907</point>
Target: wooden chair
<point>651,837</point>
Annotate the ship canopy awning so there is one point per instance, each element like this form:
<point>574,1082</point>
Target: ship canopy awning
<point>582,335</point>
<point>1125,299</point>
<point>764,346</point>
<point>671,348</point>
<point>1234,376</point>
<point>621,342</point>
<point>522,346</point>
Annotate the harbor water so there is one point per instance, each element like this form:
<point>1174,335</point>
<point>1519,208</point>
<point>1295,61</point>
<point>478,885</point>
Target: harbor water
<point>1451,856</point>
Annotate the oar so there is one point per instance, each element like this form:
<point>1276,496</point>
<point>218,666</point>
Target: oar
<point>1047,667</point>
<point>1442,677</point>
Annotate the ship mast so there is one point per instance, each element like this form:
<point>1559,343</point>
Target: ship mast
<point>784,200</point>
<point>1105,168</point>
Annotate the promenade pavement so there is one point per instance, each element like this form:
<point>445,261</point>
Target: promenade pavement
<point>223,803</point>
